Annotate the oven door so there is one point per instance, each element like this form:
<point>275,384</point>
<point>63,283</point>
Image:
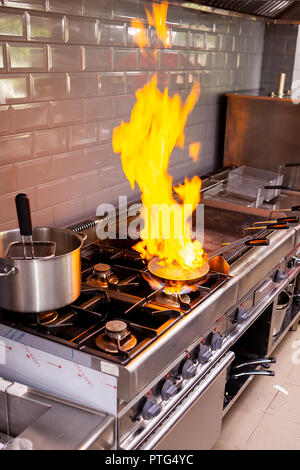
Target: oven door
<point>195,422</point>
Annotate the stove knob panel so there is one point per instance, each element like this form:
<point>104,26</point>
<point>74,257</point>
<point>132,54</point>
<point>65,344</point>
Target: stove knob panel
<point>216,341</point>
<point>150,409</point>
<point>168,390</point>
<point>188,369</point>
<point>205,354</point>
<point>242,315</point>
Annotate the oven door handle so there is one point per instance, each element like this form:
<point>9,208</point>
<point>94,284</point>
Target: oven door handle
<point>186,402</point>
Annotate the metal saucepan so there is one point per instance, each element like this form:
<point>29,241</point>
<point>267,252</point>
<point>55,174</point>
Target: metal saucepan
<point>37,285</point>
<point>172,276</point>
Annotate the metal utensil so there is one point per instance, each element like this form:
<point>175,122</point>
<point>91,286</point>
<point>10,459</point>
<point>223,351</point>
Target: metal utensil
<point>28,249</point>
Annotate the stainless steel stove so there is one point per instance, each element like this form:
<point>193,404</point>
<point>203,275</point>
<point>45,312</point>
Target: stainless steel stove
<point>156,361</point>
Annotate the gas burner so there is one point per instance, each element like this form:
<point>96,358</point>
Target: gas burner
<point>116,338</point>
<point>103,275</point>
<point>175,300</point>
<point>45,318</point>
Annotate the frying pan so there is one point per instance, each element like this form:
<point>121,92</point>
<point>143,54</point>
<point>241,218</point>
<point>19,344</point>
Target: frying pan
<point>173,275</point>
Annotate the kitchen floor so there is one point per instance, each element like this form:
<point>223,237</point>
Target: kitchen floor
<point>267,414</point>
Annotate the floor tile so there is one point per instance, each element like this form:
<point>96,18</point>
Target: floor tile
<point>274,434</point>
<point>238,425</point>
<point>286,406</point>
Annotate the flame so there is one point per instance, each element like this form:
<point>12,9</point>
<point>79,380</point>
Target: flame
<point>158,19</point>
<point>141,35</point>
<point>145,143</point>
<point>195,150</point>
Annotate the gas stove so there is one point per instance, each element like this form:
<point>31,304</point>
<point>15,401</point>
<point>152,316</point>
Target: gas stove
<point>117,289</point>
<point>128,347</point>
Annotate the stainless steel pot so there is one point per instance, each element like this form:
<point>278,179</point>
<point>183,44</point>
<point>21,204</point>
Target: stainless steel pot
<point>37,285</point>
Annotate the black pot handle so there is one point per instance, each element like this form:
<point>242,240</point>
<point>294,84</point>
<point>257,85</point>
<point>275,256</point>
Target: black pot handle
<point>24,215</point>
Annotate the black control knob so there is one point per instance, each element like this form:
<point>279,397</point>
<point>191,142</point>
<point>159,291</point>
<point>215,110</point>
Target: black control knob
<point>216,341</point>
<point>279,276</point>
<point>242,315</point>
<point>188,369</point>
<point>150,409</point>
<point>204,354</point>
<point>168,390</point>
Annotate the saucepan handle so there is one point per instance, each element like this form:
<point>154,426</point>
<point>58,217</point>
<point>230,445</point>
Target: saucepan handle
<point>6,269</point>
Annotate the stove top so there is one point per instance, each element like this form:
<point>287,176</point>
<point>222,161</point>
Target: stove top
<point>120,311</point>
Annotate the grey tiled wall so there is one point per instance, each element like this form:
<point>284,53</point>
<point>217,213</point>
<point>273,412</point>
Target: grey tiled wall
<point>279,55</point>
<point>68,73</point>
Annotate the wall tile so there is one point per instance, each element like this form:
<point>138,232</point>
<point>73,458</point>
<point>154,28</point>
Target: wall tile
<point>169,60</point>
<point>98,9</point>
<point>50,141</point>
<point>66,111</point>
<point>12,25</point>
<point>132,34</point>
<point>65,58</point>
<point>125,59</point>
<point>8,207</point>
<point>29,116</point>
<point>112,34</point>
<point>69,212</point>
<point>73,7</point>
<point>7,178</point>
<point>177,80</point>
<point>179,38</point>
<point>45,27</point>
<point>106,131</point>
<point>211,41</point>
<point>49,86</point>
<point>197,40</point>
<point>82,30</point>
<point>83,84</point>
<point>135,80</point>
<point>111,83</point>
<point>93,200</point>
<point>83,135</point>
<point>84,184</point>
<point>4,120</point>
<point>69,163</point>
<point>98,59</point>
<point>100,156</point>
<point>33,172</point>
<point>28,4</point>
<point>13,88</point>
<point>112,175</point>
<point>15,148</point>
<point>99,108</point>
<point>43,218</point>
<point>124,105</point>
<point>149,60</point>
<point>57,192</point>
<point>23,57</point>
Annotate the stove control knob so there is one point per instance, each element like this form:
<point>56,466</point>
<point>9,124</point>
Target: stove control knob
<point>216,341</point>
<point>188,369</point>
<point>150,409</point>
<point>204,354</point>
<point>242,315</point>
<point>168,390</point>
<point>279,276</point>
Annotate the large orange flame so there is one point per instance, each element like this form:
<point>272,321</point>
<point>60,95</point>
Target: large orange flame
<point>145,143</point>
